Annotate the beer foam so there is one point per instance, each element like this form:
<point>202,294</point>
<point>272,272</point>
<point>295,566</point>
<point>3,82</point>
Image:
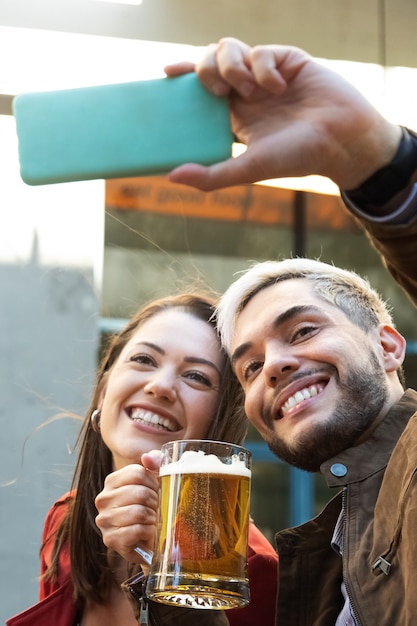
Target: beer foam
<point>198,462</point>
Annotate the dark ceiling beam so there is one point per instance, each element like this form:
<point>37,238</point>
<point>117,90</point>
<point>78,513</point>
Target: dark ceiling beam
<point>338,30</point>
<point>6,104</point>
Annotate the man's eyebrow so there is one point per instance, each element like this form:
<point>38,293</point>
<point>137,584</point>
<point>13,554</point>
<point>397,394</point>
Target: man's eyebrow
<point>240,351</point>
<point>294,311</point>
<point>282,318</point>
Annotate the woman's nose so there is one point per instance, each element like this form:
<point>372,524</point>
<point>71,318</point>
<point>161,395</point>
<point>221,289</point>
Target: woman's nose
<point>162,384</point>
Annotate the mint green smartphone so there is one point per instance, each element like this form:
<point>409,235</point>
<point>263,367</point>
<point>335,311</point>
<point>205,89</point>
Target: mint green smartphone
<point>120,130</point>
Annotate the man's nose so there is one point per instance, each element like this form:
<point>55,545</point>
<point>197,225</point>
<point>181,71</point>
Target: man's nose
<point>278,363</point>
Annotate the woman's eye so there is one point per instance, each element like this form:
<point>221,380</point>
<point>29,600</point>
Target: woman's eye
<point>200,378</point>
<point>143,359</point>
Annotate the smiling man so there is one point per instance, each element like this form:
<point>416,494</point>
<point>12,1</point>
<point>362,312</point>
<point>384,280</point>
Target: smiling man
<point>320,361</point>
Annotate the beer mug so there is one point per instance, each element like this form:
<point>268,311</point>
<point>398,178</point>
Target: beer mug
<point>200,556</point>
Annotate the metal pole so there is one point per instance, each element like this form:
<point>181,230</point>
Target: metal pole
<point>301,483</point>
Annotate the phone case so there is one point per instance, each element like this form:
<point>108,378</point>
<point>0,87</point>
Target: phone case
<point>120,130</point>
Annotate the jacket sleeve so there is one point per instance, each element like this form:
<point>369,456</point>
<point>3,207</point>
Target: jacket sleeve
<point>157,614</point>
<point>397,244</point>
<point>394,546</point>
<point>53,521</point>
<point>263,575</point>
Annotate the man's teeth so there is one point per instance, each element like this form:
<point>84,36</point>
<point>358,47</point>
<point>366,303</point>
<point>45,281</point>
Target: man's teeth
<point>148,417</point>
<point>299,396</point>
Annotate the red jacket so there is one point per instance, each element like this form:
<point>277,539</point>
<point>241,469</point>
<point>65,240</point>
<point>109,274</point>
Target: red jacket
<point>56,605</point>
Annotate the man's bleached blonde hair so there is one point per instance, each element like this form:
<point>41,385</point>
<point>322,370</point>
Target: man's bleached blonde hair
<point>344,289</point>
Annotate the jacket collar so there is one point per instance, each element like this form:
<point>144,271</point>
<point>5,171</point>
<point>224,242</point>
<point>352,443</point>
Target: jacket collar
<point>57,608</point>
<point>360,462</point>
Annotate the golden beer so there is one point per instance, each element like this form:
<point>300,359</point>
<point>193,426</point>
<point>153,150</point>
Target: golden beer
<point>200,558</point>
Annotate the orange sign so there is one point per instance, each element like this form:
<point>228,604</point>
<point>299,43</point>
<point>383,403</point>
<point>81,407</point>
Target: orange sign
<point>248,203</point>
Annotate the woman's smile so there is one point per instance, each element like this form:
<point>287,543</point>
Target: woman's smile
<point>145,416</point>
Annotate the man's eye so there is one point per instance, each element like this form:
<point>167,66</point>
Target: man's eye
<point>304,332</point>
<point>250,369</point>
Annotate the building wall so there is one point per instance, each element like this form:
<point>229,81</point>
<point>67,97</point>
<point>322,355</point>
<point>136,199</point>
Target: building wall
<point>50,240</point>
<point>47,345</point>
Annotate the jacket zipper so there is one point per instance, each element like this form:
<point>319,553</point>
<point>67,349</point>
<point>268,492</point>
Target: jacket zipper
<point>345,578</point>
<point>147,614</point>
<point>144,612</point>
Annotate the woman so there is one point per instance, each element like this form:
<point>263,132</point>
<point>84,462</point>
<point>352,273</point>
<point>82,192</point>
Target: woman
<point>163,377</point>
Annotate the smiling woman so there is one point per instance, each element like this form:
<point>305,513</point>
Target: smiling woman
<point>164,377</point>
<point>161,388</point>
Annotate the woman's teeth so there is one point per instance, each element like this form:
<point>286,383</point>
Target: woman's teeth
<point>299,396</point>
<point>139,415</point>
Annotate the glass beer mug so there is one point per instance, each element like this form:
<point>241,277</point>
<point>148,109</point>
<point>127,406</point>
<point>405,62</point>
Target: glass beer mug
<point>200,556</point>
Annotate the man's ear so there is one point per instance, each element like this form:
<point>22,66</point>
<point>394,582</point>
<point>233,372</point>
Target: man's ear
<point>393,347</point>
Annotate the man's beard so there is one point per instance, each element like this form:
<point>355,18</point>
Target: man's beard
<point>361,399</point>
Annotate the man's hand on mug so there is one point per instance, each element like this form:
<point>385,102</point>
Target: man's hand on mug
<point>127,507</point>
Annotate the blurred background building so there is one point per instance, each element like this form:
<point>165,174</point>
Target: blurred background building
<point>77,259</point>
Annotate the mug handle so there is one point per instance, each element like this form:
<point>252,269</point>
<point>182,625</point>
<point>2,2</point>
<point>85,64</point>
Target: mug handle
<point>146,555</point>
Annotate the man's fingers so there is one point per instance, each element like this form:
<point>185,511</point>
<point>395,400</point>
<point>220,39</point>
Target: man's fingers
<point>226,66</point>
<point>266,64</point>
<point>234,171</point>
<point>177,69</point>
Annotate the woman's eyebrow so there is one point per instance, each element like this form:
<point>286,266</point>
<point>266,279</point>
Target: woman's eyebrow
<point>151,345</point>
<point>197,359</point>
<point>187,359</point>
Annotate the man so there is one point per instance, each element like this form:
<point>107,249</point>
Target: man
<point>314,348</point>
<point>319,360</point>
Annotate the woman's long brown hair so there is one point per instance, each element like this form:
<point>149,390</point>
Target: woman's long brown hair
<point>91,575</point>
